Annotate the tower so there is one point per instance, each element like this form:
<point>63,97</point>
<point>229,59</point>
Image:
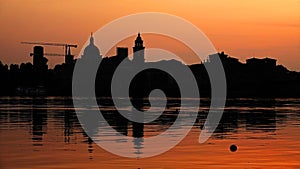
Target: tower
<point>69,59</point>
<point>138,50</point>
<point>39,61</point>
<point>38,54</point>
<point>122,52</point>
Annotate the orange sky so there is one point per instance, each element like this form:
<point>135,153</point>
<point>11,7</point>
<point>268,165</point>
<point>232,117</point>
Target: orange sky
<point>241,28</point>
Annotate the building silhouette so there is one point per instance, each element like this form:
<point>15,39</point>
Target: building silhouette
<point>265,63</point>
<point>69,58</point>
<point>91,52</point>
<point>122,52</point>
<point>39,61</point>
<point>227,61</point>
<point>138,49</point>
<point>255,78</point>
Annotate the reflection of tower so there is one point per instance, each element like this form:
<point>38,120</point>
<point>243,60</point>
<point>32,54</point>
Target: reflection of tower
<point>138,145</point>
<point>138,134</point>
<point>138,49</point>
<point>90,147</point>
<point>90,142</point>
<point>138,129</point>
<point>91,52</point>
<point>69,120</point>
<point>39,122</point>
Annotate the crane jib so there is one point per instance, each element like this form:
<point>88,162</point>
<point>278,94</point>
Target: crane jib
<point>67,46</point>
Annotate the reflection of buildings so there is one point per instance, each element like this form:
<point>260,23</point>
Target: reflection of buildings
<point>39,122</point>
<point>251,115</point>
<point>121,125</point>
<point>233,120</point>
<point>70,119</point>
<point>116,121</point>
<point>228,124</point>
<point>61,123</point>
<point>261,120</point>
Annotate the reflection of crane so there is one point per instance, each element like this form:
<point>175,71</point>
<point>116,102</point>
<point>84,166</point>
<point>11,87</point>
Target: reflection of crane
<point>68,57</point>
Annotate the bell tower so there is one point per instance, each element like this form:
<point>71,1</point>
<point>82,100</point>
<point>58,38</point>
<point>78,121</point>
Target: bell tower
<point>138,50</point>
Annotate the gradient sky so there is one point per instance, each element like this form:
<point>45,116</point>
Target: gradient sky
<point>243,29</point>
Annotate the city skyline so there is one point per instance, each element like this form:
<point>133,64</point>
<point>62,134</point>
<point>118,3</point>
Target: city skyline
<point>243,29</point>
<point>149,84</point>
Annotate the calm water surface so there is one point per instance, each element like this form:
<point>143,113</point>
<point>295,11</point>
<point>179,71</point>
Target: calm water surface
<point>45,133</point>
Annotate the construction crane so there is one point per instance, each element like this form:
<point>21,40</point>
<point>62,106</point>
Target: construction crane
<point>49,54</point>
<point>66,46</point>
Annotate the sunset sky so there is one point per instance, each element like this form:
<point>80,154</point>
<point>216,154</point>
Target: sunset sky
<point>243,29</point>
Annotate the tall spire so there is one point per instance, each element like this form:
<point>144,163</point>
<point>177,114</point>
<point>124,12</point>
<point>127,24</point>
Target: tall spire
<point>91,38</point>
<point>139,41</point>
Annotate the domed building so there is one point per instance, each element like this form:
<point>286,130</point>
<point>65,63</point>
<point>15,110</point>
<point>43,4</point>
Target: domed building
<point>91,52</point>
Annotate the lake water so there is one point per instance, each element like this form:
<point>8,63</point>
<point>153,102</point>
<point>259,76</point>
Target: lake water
<point>45,133</point>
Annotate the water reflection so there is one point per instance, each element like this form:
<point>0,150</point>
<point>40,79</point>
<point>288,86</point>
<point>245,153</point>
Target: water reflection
<point>55,119</point>
<point>251,115</point>
<point>39,123</point>
<point>261,120</point>
<point>89,141</point>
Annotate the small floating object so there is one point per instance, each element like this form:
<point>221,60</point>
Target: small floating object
<point>233,148</point>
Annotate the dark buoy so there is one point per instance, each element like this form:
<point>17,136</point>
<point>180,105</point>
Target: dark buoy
<point>233,148</point>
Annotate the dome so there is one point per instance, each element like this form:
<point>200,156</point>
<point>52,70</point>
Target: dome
<point>91,51</point>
